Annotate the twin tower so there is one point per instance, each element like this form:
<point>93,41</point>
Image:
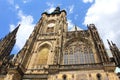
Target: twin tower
<point>54,53</point>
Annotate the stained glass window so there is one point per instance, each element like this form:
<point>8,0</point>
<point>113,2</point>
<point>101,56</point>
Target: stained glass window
<point>78,54</point>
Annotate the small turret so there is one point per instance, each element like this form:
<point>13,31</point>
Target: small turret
<point>57,10</point>
<point>115,52</point>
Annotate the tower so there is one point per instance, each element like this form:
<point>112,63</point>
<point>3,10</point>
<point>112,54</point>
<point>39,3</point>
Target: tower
<point>52,52</point>
<point>6,45</point>
<point>44,44</point>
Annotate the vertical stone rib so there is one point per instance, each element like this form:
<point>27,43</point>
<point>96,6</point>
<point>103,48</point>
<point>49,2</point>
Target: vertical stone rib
<point>98,44</point>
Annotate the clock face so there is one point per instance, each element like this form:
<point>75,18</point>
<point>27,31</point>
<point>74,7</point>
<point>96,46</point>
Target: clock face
<point>51,25</point>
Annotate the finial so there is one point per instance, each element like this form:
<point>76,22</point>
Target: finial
<point>57,8</point>
<point>75,28</point>
<point>16,29</point>
<point>108,42</point>
<point>19,25</point>
<point>112,43</point>
<point>87,26</point>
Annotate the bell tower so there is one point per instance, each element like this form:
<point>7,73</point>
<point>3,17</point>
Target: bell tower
<point>53,22</point>
<point>44,44</point>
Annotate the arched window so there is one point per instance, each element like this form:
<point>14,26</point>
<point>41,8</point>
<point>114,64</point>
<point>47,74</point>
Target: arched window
<point>65,56</point>
<point>98,76</point>
<point>78,53</point>
<point>42,55</point>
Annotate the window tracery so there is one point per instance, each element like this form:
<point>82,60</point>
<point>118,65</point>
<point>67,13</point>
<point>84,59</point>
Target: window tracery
<point>78,53</point>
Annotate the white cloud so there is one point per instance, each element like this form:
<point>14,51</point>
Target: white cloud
<point>70,24</point>
<point>49,4</point>
<point>12,27</point>
<point>50,10</point>
<point>26,1</point>
<point>86,1</point>
<point>11,2</point>
<point>25,29</point>
<point>13,5</point>
<point>51,7</point>
<point>105,15</point>
<point>71,9</point>
<point>117,69</point>
<point>17,7</point>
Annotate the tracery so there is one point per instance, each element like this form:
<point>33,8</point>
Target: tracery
<point>78,53</point>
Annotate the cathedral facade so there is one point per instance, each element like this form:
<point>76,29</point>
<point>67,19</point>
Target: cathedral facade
<point>54,53</point>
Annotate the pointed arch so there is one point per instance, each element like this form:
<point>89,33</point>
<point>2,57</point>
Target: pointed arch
<point>43,53</point>
<point>78,52</point>
<point>78,39</point>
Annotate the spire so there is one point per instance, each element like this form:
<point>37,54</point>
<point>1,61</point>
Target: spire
<point>115,52</point>
<point>108,42</point>
<point>15,30</point>
<point>7,43</point>
<point>112,43</point>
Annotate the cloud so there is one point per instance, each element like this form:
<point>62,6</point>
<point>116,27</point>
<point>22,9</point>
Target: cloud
<point>12,27</point>
<point>11,2</point>
<point>117,69</point>
<point>105,15</point>
<point>26,1</point>
<point>51,7</point>
<point>13,5</point>
<point>17,7</point>
<point>71,9</point>
<point>25,29</point>
<point>70,24</point>
<point>50,10</point>
<point>86,1</point>
<point>49,4</point>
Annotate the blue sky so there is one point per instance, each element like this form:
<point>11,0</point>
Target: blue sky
<point>103,13</point>
<point>28,13</point>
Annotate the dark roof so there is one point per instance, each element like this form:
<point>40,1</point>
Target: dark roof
<point>56,11</point>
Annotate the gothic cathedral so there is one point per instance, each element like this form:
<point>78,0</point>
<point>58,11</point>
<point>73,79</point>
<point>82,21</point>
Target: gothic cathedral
<point>54,53</point>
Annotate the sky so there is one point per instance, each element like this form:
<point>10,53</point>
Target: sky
<point>103,13</point>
